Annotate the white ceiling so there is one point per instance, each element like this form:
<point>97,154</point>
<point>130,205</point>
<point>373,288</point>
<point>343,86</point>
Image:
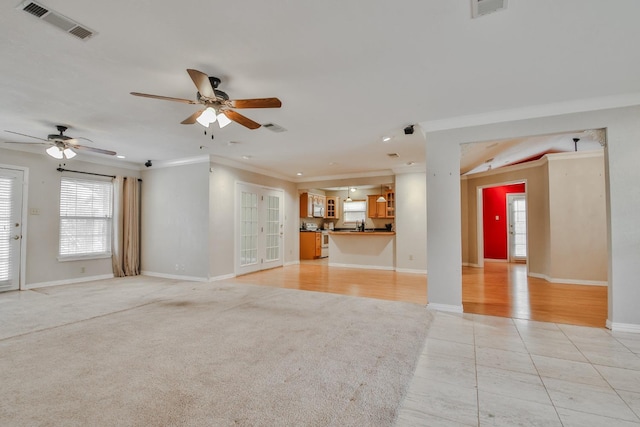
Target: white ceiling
<point>347,73</point>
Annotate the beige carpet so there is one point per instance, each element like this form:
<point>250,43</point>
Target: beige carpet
<point>215,355</point>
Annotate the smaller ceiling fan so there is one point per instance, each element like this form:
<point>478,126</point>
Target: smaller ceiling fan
<point>61,145</point>
<point>217,105</point>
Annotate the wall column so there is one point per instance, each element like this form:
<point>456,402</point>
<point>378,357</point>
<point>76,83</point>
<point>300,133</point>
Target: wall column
<point>444,247</point>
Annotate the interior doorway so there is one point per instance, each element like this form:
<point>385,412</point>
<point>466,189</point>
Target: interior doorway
<point>496,222</point>
<point>259,228</point>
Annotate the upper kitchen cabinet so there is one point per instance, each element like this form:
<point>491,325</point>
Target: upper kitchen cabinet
<point>306,205</point>
<point>332,210</point>
<point>386,209</point>
<point>376,209</point>
<point>390,196</point>
<point>312,205</point>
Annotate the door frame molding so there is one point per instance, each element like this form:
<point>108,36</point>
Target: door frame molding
<point>24,215</point>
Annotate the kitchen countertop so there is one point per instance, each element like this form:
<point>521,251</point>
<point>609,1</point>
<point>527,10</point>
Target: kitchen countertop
<point>367,232</point>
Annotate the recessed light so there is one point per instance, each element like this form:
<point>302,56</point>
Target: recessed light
<point>410,163</point>
<point>246,157</point>
<point>120,156</point>
<point>386,139</point>
<point>299,173</point>
<point>353,189</point>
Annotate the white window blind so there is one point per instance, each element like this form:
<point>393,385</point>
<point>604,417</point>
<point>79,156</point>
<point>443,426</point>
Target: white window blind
<point>6,198</point>
<point>85,217</point>
<point>354,211</point>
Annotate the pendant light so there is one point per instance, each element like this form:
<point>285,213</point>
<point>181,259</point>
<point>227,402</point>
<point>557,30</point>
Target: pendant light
<point>348,199</point>
<point>381,199</point>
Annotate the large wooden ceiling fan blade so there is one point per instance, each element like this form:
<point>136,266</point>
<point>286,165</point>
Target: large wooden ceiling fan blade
<point>192,118</point>
<point>240,119</point>
<point>202,82</point>
<point>255,103</point>
<point>164,98</point>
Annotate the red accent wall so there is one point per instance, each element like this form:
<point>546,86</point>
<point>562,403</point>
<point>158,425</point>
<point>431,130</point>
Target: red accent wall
<point>494,204</point>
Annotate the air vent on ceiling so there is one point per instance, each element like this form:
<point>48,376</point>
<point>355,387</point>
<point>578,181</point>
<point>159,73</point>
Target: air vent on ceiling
<point>393,155</point>
<point>57,20</point>
<point>274,127</point>
<point>485,7</point>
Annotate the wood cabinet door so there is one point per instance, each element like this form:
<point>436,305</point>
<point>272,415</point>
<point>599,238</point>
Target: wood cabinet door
<point>318,245</point>
<point>376,209</point>
<point>390,208</point>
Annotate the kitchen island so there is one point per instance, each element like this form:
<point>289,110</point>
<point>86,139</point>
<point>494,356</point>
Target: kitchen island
<point>372,249</point>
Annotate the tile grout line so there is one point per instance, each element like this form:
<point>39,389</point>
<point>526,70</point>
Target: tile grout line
<point>538,372</point>
<point>594,366</point>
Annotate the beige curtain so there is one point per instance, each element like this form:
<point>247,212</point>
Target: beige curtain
<point>126,227</point>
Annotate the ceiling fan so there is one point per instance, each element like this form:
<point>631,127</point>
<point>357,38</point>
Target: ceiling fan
<point>61,145</point>
<point>217,105</point>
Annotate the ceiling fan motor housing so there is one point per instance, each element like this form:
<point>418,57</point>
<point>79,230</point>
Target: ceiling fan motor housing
<point>220,95</point>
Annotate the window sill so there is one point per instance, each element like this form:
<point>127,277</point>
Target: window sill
<point>83,257</point>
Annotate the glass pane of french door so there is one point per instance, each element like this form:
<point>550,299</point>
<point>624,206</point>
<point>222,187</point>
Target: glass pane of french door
<point>272,229</point>
<point>517,226</point>
<point>248,229</point>
<point>10,228</point>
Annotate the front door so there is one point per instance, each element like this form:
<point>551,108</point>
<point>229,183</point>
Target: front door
<point>260,228</point>
<point>11,183</point>
<point>517,206</point>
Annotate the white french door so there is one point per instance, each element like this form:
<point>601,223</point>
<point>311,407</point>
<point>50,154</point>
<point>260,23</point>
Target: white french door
<point>11,187</point>
<point>259,229</point>
<point>517,207</point>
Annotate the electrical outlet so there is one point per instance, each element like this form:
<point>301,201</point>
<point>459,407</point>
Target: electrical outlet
<point>34,211</point>
<point>82,270</point>
<point>410,257</point>
<point>177,267</point>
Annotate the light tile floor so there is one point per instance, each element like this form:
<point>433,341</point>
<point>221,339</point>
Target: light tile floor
<point>479,370</point>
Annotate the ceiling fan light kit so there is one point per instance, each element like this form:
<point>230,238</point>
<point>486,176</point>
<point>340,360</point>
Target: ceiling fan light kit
<point>61,145</point>
<point>217,104</point>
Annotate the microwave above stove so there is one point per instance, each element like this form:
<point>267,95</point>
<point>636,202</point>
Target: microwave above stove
<point>318,210</point>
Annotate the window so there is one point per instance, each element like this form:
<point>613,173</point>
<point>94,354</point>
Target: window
<point>354,211</point>
<point>85,218</point>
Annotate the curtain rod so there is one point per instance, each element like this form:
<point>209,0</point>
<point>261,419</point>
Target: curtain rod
<point>60,169</point>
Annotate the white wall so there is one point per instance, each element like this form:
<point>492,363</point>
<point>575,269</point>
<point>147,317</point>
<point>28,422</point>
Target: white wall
<point>42,232</point>
<point>175,221</point>
<point>411,222</point>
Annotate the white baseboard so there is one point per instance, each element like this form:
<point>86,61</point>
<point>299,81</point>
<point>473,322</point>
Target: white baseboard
<point>445,307</point>
<point>495,260</point>
<point>569,281</point>
<point>469,264</point>
<point>623,327</point>
<point>222,277</point>
<point>67,281</point>
<point>411,270</point>
<point>367,267</point>
<point>174,276</point>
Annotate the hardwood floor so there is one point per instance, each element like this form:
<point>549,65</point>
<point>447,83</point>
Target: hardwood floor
<point>499,289</point>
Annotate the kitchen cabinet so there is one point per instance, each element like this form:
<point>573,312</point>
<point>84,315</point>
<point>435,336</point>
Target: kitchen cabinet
<point>332,208</point>
<point>306,205</point>
<point>376,209</point>
<point>307,200</point>
<point>310,244</point>
<point>385,209</point>
<point>390,195</point>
